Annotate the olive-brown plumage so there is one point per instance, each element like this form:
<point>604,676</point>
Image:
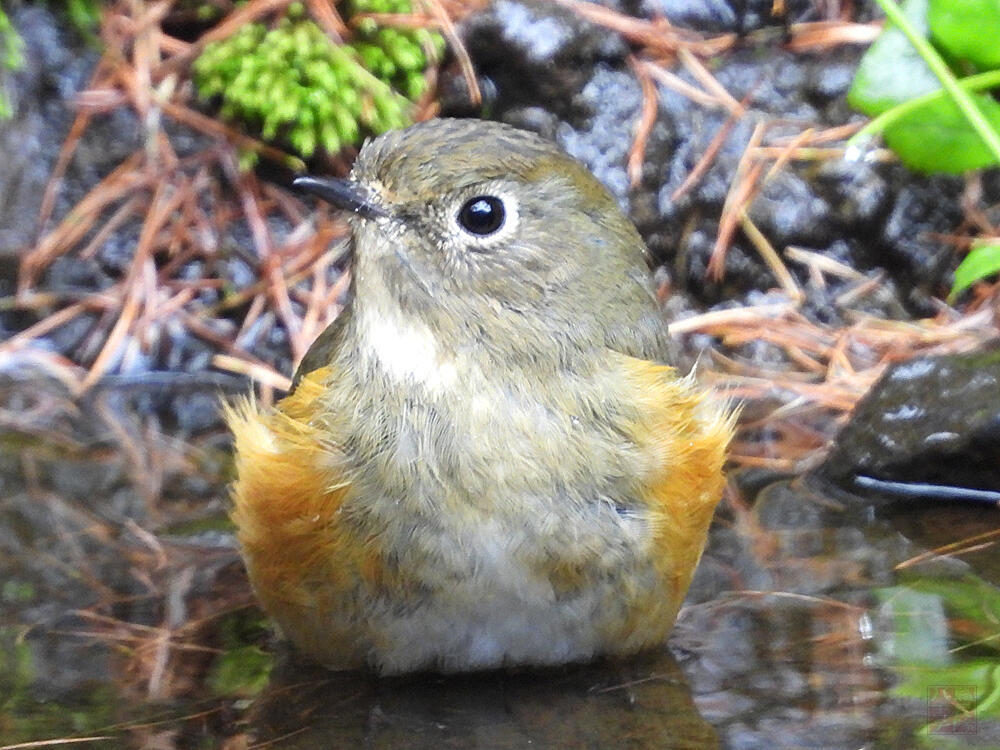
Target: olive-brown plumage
<point>485,460</point>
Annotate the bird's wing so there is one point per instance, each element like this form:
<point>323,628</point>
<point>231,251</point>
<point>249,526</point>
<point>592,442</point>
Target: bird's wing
<point>321,351</point>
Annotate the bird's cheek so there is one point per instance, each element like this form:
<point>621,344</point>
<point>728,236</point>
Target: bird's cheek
<point>372,239</point>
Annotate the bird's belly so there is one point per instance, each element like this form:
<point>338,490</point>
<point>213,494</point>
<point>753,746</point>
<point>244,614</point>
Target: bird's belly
<point>491,605</point>
<point>513,537</point>
<point>480,626</point>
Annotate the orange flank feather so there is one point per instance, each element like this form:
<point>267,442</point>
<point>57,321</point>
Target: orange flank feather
<point>684,433</point>
<point>286,506</point>
<point>687,433</point>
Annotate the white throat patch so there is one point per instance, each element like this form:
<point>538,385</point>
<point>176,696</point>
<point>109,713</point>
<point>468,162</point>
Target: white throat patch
<point>406,349</point>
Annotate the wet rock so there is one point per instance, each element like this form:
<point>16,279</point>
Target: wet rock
<point>928,421</point>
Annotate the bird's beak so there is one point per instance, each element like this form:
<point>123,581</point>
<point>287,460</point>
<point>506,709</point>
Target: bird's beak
<point>345,194</point>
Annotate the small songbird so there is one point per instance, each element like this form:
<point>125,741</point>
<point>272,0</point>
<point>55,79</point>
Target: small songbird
<point>485,460</point>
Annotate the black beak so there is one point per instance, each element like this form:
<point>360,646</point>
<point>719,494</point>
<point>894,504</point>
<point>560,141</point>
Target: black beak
<point>344,194</point>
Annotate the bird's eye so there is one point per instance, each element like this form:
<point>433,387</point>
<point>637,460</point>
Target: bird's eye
<point>482,215</point>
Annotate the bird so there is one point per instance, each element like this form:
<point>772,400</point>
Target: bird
<point>486,461</point>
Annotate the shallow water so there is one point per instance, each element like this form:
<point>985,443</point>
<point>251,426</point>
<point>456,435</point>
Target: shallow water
<point>125,617</point>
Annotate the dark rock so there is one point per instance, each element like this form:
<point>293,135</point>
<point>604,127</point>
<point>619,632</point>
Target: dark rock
<point>116,253</point>
<point>773,82</point>
<point>68,338</point>
<point>612,99</point>
<point>702,15</point>
<point>790,212</point>
<point>543,67</point>
<point>827,83</point>
<point>924,208</point>
<point>196,411</point>
<point>532,52</point>
<point>928,421</point>
<point>69,273</point>
<point>857,194</point>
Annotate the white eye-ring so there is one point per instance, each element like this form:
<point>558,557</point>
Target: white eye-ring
<point>486,216</point>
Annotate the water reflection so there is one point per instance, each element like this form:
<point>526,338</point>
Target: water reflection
<point>642,703</point>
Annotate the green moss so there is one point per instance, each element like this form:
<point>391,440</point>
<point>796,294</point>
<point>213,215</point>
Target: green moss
<point>243,668</point>
<point>85,15</point>
<point>291,83</point>
<point>11,58</point>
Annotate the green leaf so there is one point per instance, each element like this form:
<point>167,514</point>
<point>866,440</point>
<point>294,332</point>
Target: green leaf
<point>892,71</point>
<point>982,261</point>
<point>967,30</point>
<point>938,138</point>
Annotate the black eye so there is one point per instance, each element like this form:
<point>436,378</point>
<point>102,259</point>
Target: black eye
<point>482,215</point>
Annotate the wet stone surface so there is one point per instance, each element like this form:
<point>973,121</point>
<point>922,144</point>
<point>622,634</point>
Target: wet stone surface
<point>932,420</point>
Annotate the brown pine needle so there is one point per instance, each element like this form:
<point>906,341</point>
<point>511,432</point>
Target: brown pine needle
<point>824,35</point>
<point>682,87</point>
<point>57,742</point>
<point>735,316</point>
<point>124,181</point>
<point>826,135</point>
<point>458,48</point>
<point>657,35</point>
<point>241,15</point>
<point>823,263</point>
<point>254,370</point>
<point>770,257</point>
<point>115,339</point>
<point>644,126</point>
<point>329,19</point>
<point>66,152</point>
<point>50,322</point>
<point>695,175</point>
<point>741,191</point>
<point>711,84</point>
<point>739,196</point>
<point>207,125</point>
<point>962,545</point>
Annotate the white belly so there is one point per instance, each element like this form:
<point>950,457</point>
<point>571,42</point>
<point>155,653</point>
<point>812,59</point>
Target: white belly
<point>501,613</point>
